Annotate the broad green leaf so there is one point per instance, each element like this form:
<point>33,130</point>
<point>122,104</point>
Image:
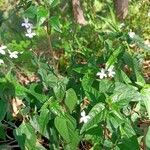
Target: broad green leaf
<point>40,97</point>
<point>67,129</point>
<point>147,139</point>
<point>71,99</point>
<point>122,91</point>
<point>91,93</point>
<point>54,22</point>
<point>2,132</point>
<point>94,95</point>
<point>42,14</point>
<point>95,134</point>
<point>140,42</point>
<point>54,3</point>
<point>97,114</point>
<point>129,138</point>
<point>115,119</point>
<point>31,11</point>
<point>3,108</point>
<point>146,97</point>
<point>139,78</point>
<point>48,78</point>
<point>128,59</point>
<point>26,137</point>
<point>87,81</point>
<point>114,56</point>
<point>55,108</point>
<point>126,79</point>
<point>43,120</point>
<point>129,143</point>
<point>106,86</point>
<point>59,90</point>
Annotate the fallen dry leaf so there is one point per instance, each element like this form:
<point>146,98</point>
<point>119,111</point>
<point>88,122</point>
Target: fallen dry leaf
<point>78,12</point>
<point>16,106</point>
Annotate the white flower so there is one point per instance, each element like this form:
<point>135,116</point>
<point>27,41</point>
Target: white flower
<point>1,62</point>
<point>26,23</point>
<point>102,74</point>
<point>111,72</point>
<point>29,33</point>
<point>131,34</point>
<point>13,54</point>
<point>84,118</point>
<point>2,49</point>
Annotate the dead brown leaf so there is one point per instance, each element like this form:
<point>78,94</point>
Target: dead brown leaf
<point>78,12</point>
<point>16,106</point>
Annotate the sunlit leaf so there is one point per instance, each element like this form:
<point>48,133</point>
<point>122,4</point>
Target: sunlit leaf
<point>71,99</point>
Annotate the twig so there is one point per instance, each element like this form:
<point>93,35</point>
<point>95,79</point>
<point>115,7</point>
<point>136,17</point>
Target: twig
<point>13,146</point>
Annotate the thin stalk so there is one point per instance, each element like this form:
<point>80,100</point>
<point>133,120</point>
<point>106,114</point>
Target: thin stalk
<point>50,44</point>
<point>48,32</point>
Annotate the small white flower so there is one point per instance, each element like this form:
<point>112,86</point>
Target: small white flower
<point>1,62</point>
<point>29,33</point>
<point>102,74</point>
<point>2,49</point>
<point>111,72</point>
<point>131,34</point>
<point>84,118</point>
<point>13,54</point>
<point>26,23</point>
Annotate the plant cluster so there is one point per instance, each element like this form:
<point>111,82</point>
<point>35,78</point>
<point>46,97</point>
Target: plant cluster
<point>66,86</point>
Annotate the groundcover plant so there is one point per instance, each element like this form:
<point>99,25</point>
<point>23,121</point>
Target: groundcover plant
<point>74,75</point>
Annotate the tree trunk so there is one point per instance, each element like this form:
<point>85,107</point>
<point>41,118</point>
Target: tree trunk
<point>121,8</point>
<point>78,12</point>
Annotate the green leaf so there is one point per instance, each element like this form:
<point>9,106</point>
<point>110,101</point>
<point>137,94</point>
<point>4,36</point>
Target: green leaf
<point>146,97</point>
<point>106,86</point>
<point>31,11</point>
<point>95,134</point>
<point>147,139</point>
<point>26,136</point>
<point>2,132</point>
<point>3,109</point>
<point>66,127</point>
<point>129,138</point>
<point>139,78</point>
<point>71,99</point>
<point>54,3</point>
<point>114,56</point>
<point>43,120</point>
<point>54,22</point>
<point>97,114</point>
<point>40,97</point>
<point>59,90</point>
<point>140,43</point>
<point>127,92</point>
<point>42,15</point>
<point>126,79</point>
<point>54,107</point>
<point>116,119</point>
